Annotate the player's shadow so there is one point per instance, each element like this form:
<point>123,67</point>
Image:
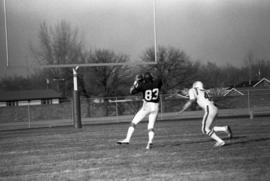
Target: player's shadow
<point>192,142</point>
<point>181,143</point>
<point>235,138</point>
<point>188,142</point>
<point>249,141</point>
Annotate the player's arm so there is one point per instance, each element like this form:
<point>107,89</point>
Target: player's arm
<point>135,88</point>
<point>186,106</point>
<point>192,98</point>
<point>182,96</point>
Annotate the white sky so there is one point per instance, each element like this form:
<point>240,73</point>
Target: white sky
<point>220,31</point>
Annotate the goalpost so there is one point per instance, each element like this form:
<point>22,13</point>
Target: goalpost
<point>6,33</point>
<point>76,108</point>
<point>76,97</point>
<point>74,65</point>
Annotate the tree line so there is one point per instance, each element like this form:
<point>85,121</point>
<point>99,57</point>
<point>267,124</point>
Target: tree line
<point>61,45</point>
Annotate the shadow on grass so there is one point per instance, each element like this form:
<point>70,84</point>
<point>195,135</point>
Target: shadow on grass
<point>229,142</point>
<point>188,142</point>
<point>249,141</point>
<point>235,138</point>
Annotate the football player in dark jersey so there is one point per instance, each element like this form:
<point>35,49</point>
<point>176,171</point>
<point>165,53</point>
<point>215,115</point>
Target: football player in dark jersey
<point>150,89</point>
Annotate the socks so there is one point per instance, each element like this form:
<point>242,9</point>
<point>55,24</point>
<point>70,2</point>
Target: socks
<point>220,128</point>
<point>130,133</point>
<point>151,135</point>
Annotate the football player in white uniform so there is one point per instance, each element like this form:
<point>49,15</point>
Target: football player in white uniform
<point>198,93</point>
<point>151,94</point>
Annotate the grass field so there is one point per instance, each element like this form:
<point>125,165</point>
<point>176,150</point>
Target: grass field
<point>180,152</point>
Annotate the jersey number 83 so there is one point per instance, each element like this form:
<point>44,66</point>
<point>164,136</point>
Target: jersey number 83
<point>151,95</point>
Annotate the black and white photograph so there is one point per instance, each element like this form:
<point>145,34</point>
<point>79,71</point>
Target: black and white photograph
<point>141,90</point>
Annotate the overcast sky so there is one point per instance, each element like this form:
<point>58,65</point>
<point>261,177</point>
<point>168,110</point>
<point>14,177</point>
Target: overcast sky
<point>219,31</point>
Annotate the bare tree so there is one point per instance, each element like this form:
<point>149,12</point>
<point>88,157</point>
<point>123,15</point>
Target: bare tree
<point>260,69</point>
<point>174,67</point>
<point>249,61</point>
<point>58,45</point>
<point>255,68</point>
<point>105,81</point>
<point>211,75</point>
<point>22,83</point>
<point>230,76</point>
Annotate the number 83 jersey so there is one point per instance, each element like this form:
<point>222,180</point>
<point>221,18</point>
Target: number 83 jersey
<point>150,90</point>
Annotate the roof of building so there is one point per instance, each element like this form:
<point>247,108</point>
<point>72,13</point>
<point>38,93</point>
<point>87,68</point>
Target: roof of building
<point>28,95</point>
<point>234,90</point>
<point>262,80</point>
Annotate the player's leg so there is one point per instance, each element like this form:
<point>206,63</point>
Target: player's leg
<point>151,131</point>
<point>209,116</point>
<point>150,127</point>
<point>225,129</point>
<point>137,118</point>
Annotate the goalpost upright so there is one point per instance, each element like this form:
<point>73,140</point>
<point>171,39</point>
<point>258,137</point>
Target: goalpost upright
<point>6,33</point>
<point>76,108</point>
<point>76,96</point>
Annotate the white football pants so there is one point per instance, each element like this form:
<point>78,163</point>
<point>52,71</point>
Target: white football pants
<point>150,109</point>
<point>210,113</point>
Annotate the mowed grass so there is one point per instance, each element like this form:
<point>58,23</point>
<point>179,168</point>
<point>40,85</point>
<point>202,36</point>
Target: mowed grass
<point>180,152</point>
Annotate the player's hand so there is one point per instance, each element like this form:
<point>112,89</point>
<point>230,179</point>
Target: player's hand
<point>135,84</point>
<point>139,77</point>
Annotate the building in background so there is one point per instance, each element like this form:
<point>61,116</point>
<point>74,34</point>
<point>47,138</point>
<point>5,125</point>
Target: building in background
<point>29,97</point>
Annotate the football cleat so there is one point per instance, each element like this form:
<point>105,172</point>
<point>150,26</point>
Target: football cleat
<point>149,146</point>
<point>219,144</point>
<point>122,142</point>
<point>229,132</point>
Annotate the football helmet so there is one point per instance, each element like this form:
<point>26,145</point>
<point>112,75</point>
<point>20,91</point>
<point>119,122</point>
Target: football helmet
<point>148,77</point>
<point>197,84</point>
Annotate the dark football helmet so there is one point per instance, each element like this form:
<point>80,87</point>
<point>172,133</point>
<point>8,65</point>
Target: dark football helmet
<point>148,77</point>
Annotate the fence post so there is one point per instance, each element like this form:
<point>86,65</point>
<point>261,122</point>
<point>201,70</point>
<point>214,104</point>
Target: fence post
<point>161,107</point>
<point>29,115</point>
<point>249,107</point>
<point>116,109</point>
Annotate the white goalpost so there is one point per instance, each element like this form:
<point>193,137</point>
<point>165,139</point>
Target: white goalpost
<point>6,34</point>
<point>76,97</point>
<point>82,65</point>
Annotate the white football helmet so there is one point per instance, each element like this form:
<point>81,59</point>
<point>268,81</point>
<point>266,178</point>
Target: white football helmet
<point>197,84</point>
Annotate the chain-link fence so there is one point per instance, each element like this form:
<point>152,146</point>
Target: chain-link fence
<point>119,109</point>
